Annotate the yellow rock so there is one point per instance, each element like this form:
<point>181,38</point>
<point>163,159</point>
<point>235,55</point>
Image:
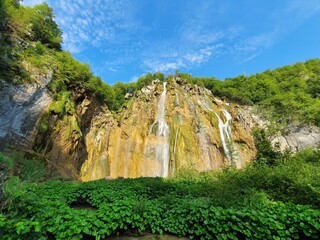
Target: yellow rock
<point>129,147</point>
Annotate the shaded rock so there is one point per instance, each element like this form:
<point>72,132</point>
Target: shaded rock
<point>21,108</point>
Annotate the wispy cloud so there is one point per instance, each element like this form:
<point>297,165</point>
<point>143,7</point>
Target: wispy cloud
<point>93,23</point>
<point>282,21</point>
<point>141,35</point>
<point>183,59</point>
<point>195,41</point>
<point>303,9</point>
<point>163,66</point>
<point>32,2</point>
<point>252,46</point>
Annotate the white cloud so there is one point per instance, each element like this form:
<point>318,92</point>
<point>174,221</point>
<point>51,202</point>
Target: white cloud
<point>186,59</point>
<point>93,23</point>
<point>158,66</point>
<point>31,2</point>
<point>203,54</point>
<point>253,56</point>
<point>253,46</point>
<point>257,42</point>
<point>303,9</point>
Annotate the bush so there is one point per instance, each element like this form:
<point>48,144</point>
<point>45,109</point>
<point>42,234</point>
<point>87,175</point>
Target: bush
<point>121,205</point>
<point>33,170</point>
<point>5,161</point>
<point>278,201</point>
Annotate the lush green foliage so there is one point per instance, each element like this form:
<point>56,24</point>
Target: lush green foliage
<point>147,79</point>
<point>287,94</point>
<point>34,24</point>
<point>260,202</point>
<point>120,90</point>
<point>267,154</point>
<point>24,166</point>
<point>6,161</point>
<point>20,28</point>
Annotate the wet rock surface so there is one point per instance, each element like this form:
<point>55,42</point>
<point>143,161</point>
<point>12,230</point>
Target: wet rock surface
<point>130,145</point>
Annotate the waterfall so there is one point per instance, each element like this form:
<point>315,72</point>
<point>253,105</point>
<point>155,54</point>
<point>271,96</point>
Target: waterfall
<point>162,135</point>
<point>227,124</point>
<point>224,129</point>
<point>225,133</point>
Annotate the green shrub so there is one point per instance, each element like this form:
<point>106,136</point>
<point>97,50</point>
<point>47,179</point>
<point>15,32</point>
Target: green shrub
<point>44,123</point>
<point>13,187</point>
<point>33,170</point>
<point>121,205</point>
<point>6,161</point>
<point>59,105</point>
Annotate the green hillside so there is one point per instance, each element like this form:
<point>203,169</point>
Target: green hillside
<point>286,94</point>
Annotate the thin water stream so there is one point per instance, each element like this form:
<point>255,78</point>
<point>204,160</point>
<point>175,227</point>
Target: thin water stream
<point>162,134</point>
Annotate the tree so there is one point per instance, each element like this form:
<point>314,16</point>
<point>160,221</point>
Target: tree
<point>44,28</point>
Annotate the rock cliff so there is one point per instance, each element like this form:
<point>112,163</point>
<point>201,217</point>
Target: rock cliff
<point>164,128</point>
<point>63,143</point>
<point>21,108</point>
<point>197,131</point>
<point>294,136</point>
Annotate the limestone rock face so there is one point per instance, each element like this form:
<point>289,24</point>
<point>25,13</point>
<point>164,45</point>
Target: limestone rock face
<point>21,108</point>
<point>296,137</point>
<point>63,145</point>
<point>196,131</point>
<point>163,129</point>
<point>299,137</point>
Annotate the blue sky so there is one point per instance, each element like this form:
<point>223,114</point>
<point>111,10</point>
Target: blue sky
<point>124,39</point>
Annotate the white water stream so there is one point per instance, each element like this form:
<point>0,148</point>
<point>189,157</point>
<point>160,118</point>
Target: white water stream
<point>224,129</point>
<point>162,134</point>
<point>225,132</point>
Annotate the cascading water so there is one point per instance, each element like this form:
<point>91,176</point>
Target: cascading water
<point>224,129</point>
<point>224,133</point>
<point>227,124</point>
<point>162,135</point>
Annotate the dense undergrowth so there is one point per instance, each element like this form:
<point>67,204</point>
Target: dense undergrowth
<point>280,201</point>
